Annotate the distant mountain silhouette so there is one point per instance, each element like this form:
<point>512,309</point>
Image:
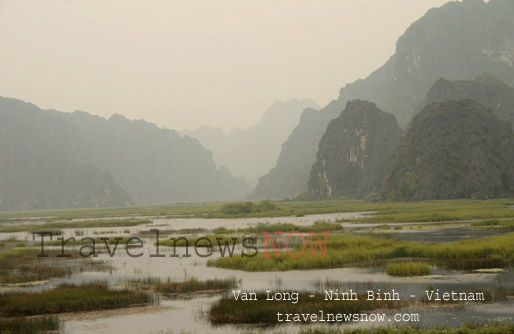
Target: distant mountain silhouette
<point>50,159</point>
<point>251,152</point>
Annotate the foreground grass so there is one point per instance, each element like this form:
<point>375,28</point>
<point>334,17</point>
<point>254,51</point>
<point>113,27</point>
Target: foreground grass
<point>349,250</point>
<point>262,311</point>
<point>56,226</point>
<point>21,265</point>
<point>188,286</point>
<point>29,325</point>
<point>70,298</point>
<point>409,268</point>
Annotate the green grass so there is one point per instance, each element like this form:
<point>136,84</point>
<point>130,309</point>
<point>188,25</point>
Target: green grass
<point>384,227</point>
<point>262,311</point>
<point>349,250</point>
<point>21,265</point>
<point>319,226</point>
<point>227,238</point>
<point>225,235</point>
<point>56,226</point>
<point>190,285</point>
<point>238,208</point>
<point>503,225</point>
<point>442,210</point>
<point>70,298</point>
<point>12,242</point>
<point>409,268</point>
<point>29,325</point>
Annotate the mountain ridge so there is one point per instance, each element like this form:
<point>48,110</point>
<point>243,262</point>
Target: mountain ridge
<point>252,151</point>
<point>139,162</point>
<point>445,42</point>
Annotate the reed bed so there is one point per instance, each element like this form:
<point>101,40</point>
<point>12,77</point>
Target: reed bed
<point>261,311</point>
<point>34,325</point>
<point>21,265</point>
<point>349,250</point>
<point>70,298</point>
<point>179,287</point>
<point>408,268</point>
<point>319,226</point>
<point>495,224</point>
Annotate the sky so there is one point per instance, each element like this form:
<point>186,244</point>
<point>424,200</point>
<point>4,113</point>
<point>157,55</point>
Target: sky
<point>186,63</point>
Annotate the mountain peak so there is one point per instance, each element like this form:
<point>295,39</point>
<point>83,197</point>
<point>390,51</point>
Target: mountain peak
<point>354,152</point>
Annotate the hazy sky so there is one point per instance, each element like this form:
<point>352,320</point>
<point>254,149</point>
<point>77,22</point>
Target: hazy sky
<point>182,64</point>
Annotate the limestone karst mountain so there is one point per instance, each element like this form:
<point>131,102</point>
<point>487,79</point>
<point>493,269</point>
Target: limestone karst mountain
<point>457,41</point>
<point>456,149</point>
<point>355,152</point>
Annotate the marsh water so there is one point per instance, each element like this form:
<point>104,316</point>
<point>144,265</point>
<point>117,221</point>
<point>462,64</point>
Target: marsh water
<point>188,313</point>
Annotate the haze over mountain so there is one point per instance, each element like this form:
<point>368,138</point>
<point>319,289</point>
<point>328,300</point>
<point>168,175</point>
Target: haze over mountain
<point>485,89</point>
<point>253,151</point>
<point>451,150</point>
<point>42,163</point>
<point>456,149</point>
<point>51,159</point>
<point>355,152</point>
<point>458,41</point>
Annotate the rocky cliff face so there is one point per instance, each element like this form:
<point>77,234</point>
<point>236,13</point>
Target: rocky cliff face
<point>289,177</point>
<point>354,152</point>
<point>458,41</point>
<point>456,149</point>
